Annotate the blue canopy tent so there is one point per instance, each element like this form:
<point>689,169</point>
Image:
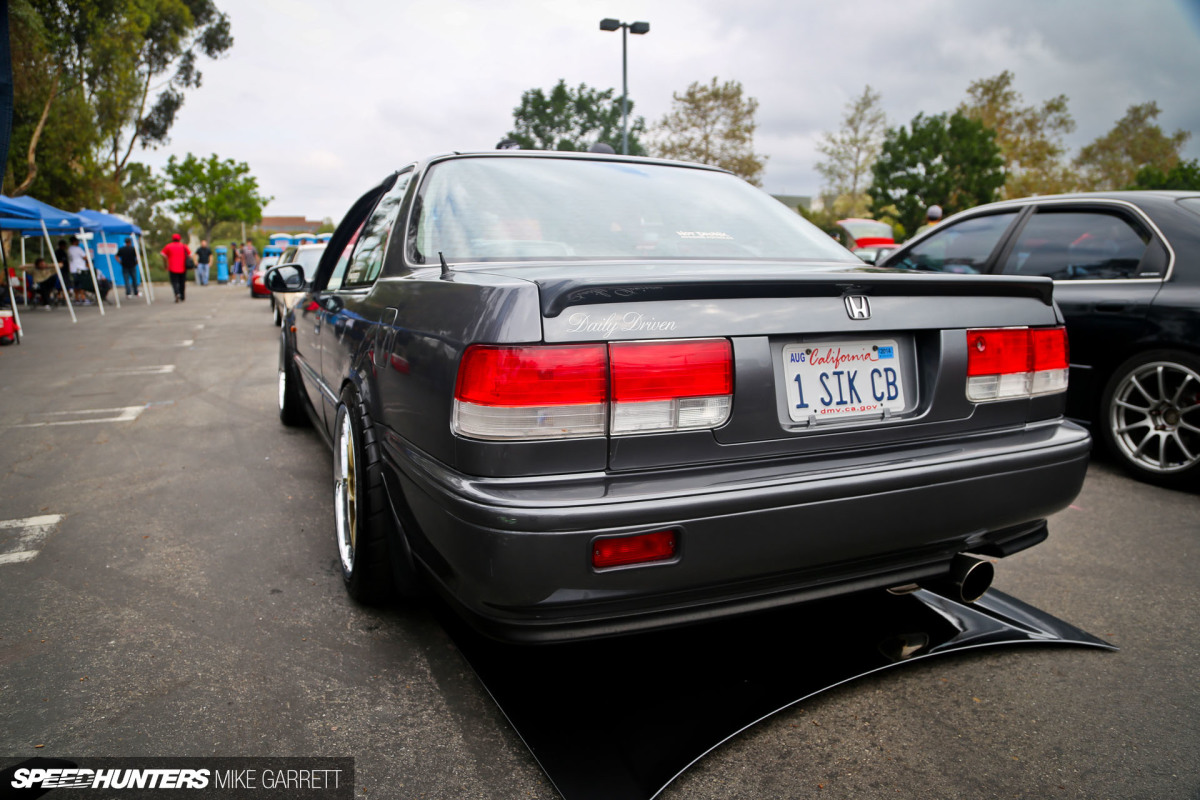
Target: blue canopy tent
<point>11,212</point>
<point>32,217</point>
<point>109,225</point>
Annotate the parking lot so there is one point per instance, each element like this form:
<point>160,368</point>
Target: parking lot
<point>169,587</point>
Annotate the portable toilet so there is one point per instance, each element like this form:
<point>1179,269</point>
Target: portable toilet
<point>281,240</point>
<point>222,264</point>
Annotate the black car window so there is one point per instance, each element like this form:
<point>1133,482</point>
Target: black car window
<point>1078,245</point>
<point>367,260</point>
<point>959,247</point>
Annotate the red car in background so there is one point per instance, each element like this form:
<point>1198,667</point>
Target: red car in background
<point>869,239</point>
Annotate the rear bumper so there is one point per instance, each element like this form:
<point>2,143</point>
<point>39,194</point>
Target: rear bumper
<point>515,554</point>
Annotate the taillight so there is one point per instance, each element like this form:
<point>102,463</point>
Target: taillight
<point>668,386</point>
<point>532,392</point>
<point>643,548</point>
<point>556,391</point>
<point>1009,363</point>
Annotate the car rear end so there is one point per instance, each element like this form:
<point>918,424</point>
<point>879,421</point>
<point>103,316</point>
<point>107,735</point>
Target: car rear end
<point>691,439</point>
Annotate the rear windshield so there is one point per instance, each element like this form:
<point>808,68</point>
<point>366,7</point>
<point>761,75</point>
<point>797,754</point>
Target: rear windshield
<point>534,209</point>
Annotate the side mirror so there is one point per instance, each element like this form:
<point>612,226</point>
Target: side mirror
<point>285,278</point>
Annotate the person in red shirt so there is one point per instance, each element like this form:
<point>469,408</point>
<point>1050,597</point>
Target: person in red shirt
<point>176,254</point>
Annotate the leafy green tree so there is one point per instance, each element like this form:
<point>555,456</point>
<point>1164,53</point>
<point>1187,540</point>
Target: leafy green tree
<point>129,60</point>
<point>47,115</point>
<point>1113,160</point>
<point>1184,175</point>
<point>851,152</point>
<point>712,124</point>
<point>210,191</point>
<point>1030,138</point>
<point>573,119</point>
<point>946,160</point>
<point>143,199</point>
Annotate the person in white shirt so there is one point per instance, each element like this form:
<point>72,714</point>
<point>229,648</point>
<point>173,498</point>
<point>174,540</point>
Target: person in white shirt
<point>77,263</point>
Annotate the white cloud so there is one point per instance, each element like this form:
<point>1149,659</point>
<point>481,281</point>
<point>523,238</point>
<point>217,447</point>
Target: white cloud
<point>322,99</point>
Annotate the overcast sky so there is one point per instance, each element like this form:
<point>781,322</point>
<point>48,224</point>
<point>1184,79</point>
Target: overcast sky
<point>322,99</point>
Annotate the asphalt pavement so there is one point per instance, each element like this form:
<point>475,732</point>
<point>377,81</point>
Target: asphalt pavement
<point>169,587</point>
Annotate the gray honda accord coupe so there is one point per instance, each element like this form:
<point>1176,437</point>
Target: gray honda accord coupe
<point>585,395</point>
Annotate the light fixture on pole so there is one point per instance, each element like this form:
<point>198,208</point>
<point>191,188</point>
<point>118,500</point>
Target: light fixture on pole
<point>626,28</point>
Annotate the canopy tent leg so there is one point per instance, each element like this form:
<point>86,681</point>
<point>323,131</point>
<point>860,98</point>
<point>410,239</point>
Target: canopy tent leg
<point>24,261</point>
<point>144,266</point>
<point>12,298</point>
<point>87,257</point>
<point>112,277</point>
<point>58,269</point>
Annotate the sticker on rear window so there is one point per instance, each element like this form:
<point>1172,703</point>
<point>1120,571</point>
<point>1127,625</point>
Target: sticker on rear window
<point>703,235</point>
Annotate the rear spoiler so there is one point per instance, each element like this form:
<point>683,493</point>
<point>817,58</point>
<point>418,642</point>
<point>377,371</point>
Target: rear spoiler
<point>559,294</point>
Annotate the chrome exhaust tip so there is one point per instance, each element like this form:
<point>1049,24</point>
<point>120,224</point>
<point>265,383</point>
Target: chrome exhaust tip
<point>968,580</point>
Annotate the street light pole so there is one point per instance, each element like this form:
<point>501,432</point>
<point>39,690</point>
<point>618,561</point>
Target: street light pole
<point>626,28</point>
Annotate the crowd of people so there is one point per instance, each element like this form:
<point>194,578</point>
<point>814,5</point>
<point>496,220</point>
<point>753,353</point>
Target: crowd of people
<point>71,258</point>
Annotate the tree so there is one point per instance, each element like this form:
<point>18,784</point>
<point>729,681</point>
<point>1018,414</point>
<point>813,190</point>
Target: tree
<point>49,116</point>
<point>142,200</point>
<point>712,124</point>
<point>851,152</point>
<point>1113,160</point>
<point>129,60</point>
<point>211,191</point>
<point>951,161</point>
<point>1030,138</point>
<point>1184,175</point>
<point>573,119</point>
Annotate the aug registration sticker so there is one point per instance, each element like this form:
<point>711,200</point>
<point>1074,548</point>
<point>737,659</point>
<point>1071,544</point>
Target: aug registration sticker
<point>837,380</point>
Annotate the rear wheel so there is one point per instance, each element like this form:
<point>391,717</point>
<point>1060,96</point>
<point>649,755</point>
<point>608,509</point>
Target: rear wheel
<point>361,513</point>
<point>291,409</point>
<point>1150,417</point>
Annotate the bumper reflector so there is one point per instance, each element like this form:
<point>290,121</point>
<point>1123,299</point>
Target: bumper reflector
<point>644,548</point>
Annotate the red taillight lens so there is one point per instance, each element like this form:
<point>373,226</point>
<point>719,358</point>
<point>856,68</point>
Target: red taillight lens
<point>532,392</point>
<point>1008,363</point>
<point>620,551</point>
<point>1002,351</point>
<point>667,370</point>
<point>533,376</point>
<point>1049,348</point>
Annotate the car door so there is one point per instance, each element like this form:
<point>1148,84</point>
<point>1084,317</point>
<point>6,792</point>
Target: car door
<point>1107,265</point>
<point>348,313</point>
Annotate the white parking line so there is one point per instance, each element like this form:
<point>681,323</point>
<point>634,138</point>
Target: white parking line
<point>126,414</point>
<point>160,369</point>
<point>27,542</point>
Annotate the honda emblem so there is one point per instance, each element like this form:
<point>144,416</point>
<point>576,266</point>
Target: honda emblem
<point>857,306</point>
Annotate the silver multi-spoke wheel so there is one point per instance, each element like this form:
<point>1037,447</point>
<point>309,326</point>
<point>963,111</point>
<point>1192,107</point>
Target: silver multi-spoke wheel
<point>345,489</point>
<point>1154,417</point>
<point>282,388</point>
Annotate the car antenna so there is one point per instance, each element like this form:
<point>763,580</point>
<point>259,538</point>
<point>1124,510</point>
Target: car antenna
<point>445,267</point>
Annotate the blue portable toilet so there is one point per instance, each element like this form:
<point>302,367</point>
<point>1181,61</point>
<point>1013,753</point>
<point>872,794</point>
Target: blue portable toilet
<point>323,238</point>
<point>282,240</point>
<point>222,264</point>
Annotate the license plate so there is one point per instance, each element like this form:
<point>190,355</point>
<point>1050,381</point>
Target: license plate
<point>840,380</point>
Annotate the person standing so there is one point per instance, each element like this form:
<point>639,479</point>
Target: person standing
<point>77,263</point>
<point>249,260</point>
<point>235,267</point>
<point>176,254</point>
<point>203,257</point>
<point>128,257</point>
<point>932,217</point>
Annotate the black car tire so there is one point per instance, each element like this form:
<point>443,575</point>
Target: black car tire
<point>291,408</point>
<point>1150,417</point>
<point>360,507</point>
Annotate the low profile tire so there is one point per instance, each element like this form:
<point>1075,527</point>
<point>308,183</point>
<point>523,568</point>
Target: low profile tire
<point>291,408</point>
<point>360,506</point>
<point>1150,417</point>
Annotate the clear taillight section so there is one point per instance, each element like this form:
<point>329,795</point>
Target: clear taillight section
<point>1011,363</point>
<point>560,391</point>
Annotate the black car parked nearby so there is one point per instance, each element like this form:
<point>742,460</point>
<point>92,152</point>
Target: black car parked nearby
<point>582,395</point>
<point>1126,271</point>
